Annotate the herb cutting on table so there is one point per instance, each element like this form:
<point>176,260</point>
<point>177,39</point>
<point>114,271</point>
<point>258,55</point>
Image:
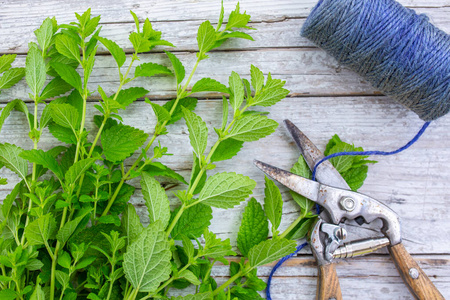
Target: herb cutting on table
<point>69,226</point>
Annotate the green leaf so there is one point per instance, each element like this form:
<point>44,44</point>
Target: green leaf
<point>254,227</point>
<point>91,26</point>
<point>128,96</point>
<point>206,38</point>
<point>44,34</point>
<point>9,157</point>
<point>161,113</point>
<point>155,199</point>
<point>200,296</point>
<point>77,169</point>
<point>65,115</point>
<point>273,204</point>
<point>237,91</point>
<point>158,169</point>
<point>238,19</point>
<point>64,260</point>
<point>303,228</point>
<point>188,247</point>
<point>269,251</point>
<point>85,262</point>
<point>40,230</point>
<point>226,190</point>
<point>8,294</point>
<point>63,134</point>
<point>151,69</point>
<point>38,293</point>
<point>34,264</point>
<point>140,44</point>
<point>72,226</point>
<point>55,88</point>
<point>177,66</point>
<point>192,222</point>
<point>131,224</point>
<point>257,78</point>
<point>5,61</point>
<point>224,113</point>
<point>235,34</point>
<point>63,278</point>
<point>227,149</point>
<point>68,74</point>
<point>120,141</point>
<point>196,168</point>
<point>209,84</point>
<point>11,77</point>
<point>198,132</point>
<point>117,52</point>
<point>189,276</point>
<point>146,262</point>
<point>269,97</point>
<point>342,163</point>
<point>109,219</point>
<point>35,72</point>
<point>355,177</point>
<point>42,158</point>
<point>301,168</point>
<point>252,128</point>
<point>188,103</point>
<point>67,46</point>
<point>18,105</point>
<point>214,247</point>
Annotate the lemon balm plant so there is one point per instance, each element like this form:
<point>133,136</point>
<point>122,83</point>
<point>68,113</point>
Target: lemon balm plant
<point>68,230</point>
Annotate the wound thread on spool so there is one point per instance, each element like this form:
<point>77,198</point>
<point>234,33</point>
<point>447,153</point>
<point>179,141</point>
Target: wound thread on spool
<point>398,51</point>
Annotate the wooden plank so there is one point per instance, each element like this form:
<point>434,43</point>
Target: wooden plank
<point>171,10</point>
<point>282,33</point>
<point>414,183</point>
<point>307,71</point>
<point>372,277</point>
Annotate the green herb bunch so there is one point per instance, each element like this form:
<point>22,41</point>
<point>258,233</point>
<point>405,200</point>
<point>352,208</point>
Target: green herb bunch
<point>68,229</point>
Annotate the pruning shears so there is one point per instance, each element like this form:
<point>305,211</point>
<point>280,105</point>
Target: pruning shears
<point>339,203</point>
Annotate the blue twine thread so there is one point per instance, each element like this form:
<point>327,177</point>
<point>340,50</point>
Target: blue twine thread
<point>384,153</point>
<point>269,281</point>
<point>398,51</point>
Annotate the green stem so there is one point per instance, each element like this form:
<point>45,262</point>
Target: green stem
<point>175,219</point>
<point>191,189</point>
<point>163,125</point>
<point>111,284</point>
<point>33,173</point>
<point>55,258</point>
<point>292,226</point>
<point>105,118</point>
<point>228,282</point>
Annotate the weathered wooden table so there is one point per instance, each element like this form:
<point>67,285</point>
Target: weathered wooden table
<point>325,99</point>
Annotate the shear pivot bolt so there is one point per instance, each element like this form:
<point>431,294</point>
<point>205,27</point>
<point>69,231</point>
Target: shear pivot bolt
<point>413,273</point>
<point>347,203</point>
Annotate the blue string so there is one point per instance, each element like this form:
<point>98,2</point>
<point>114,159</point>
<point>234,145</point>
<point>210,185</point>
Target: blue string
<point>414,139</point>
<point>269,281</point>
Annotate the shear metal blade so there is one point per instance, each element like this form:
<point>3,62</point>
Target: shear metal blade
<point>300,185</point>
<point>325,173</point>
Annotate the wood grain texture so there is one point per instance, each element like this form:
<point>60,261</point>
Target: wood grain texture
<point>325,99</point>
<point>421,287</point>
<point>328,283</point>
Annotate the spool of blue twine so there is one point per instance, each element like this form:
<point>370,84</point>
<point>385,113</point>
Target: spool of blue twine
<point>398,51</point>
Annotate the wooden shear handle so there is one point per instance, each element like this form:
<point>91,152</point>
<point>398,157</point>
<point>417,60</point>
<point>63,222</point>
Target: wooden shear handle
<point>417,281</point>
<point>328,283</point>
